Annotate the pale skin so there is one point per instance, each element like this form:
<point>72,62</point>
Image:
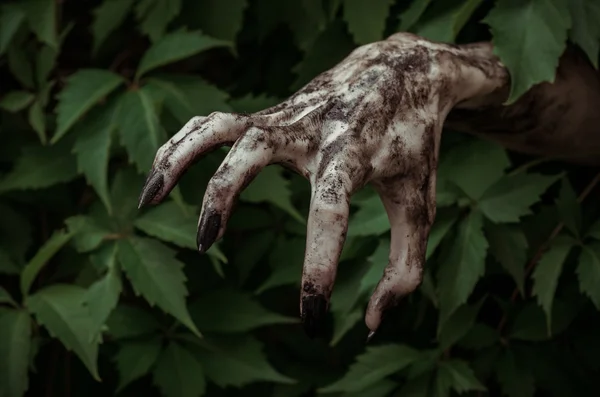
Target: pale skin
<point>376,118</point>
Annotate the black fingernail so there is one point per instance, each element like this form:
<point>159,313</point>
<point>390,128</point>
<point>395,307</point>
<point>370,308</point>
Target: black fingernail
<point>314,310</point>
<point>370,336</point>
<point>208,231</point>
<point>152,187</point>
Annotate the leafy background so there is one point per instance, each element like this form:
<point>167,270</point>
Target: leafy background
<point>98,298</point>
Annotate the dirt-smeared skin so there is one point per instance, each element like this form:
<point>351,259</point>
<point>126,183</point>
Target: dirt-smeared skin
<point>374,118</point>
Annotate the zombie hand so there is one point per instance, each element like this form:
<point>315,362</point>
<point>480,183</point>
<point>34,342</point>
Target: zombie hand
<point>374,118</point>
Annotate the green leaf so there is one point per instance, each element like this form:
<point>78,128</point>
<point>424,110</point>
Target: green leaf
<point>491,161</point>
<point>178,373</point>
<point>585,31</point>
<point>530,323</point>
<point>444,21</point>
<point>87,233</point>
<point>460,376</point>
<point>108,16</point>
<point>169,223</point>
<point>186,96</point>
<point>37,120</point>
<point>174,47</point>
<point>237,361</point>
<point>92,149</point>
<point>58,239</point>
<point>588,272</point>
<point>11,18</point>
<point>101,298</point>
<point>444,220</point>
<point>412,14</point>
<point>84,89</point>
<point>140,130</point>
<point>546,275</point>
<point>154,16</point>
<point>156,275</point>
<point>463,266</point>
<point>515,379</point>
<point>286,260</point>
<point>15,101</point>
<point>325,51</point>
<point>459,323</point>
<point>6,298</point>
<point>20,66</point>
<point>41,15</point>
<point>529,36</point>
<point>344,322</point>
<point>7,264</point>
<point>569,209</point>
<point>40,167</point>
<point>509,246</point>
<point>15,346</point>
<point>236,312</point>
<point>372,366</point>
<point>510,198</point>
<point>220,19</point>
<point>135,359</point>
<point>370,219</point>
<point>59,309</point>
<point>366,30</point>
<point>270,186</point>
<point>130,322</point>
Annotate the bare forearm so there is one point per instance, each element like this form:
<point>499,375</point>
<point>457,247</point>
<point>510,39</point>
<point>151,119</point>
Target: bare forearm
<point>559,119</point>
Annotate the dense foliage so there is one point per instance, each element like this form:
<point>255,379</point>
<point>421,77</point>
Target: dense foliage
<point>93,289</point>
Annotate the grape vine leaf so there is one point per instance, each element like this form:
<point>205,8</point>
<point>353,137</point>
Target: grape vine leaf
<point>178,373</point>
<point>459,376</point>
<point>92,149</point>
<point>443,21</point>
<point>463,266</point>
<point>412,14</point>
<point>131,322</point>
<point>366,30</point>
<point>40,167</point>
<point>58,239</point>
<point>217,18</point>
<point>491,159</point>
<point>370,219</point>
<point>108,16</point>
<point>515,379</point>
<point>189,96</point>
<point>270,186</point>
<point>15,346</point>
<point>569,209</point>
<point>175,47</point>
<point>155,15</point>
<point>135,359</point>
<point>546,275</point>
<point>156,275</point>
<point>236,312</point>
<point>588,272</point>
<point>372,366</point>
<point>11,18</point>
<point>84,89</point>
<point>102,297</point>
<point>509,245</point>
<point>14,101</point>
<point>169,223</point>
<point>585,31</point>
<point>510,197</point>
<point>236,361</point>
<point>529,36</point>
<point>42,18</point>
<point>59,309</point>
<point>139,127</point>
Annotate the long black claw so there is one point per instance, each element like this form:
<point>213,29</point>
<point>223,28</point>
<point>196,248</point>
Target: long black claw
<point>208,231</point>
<point>370,336</point>
<point>314,310</point>
<point>152,187</point>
